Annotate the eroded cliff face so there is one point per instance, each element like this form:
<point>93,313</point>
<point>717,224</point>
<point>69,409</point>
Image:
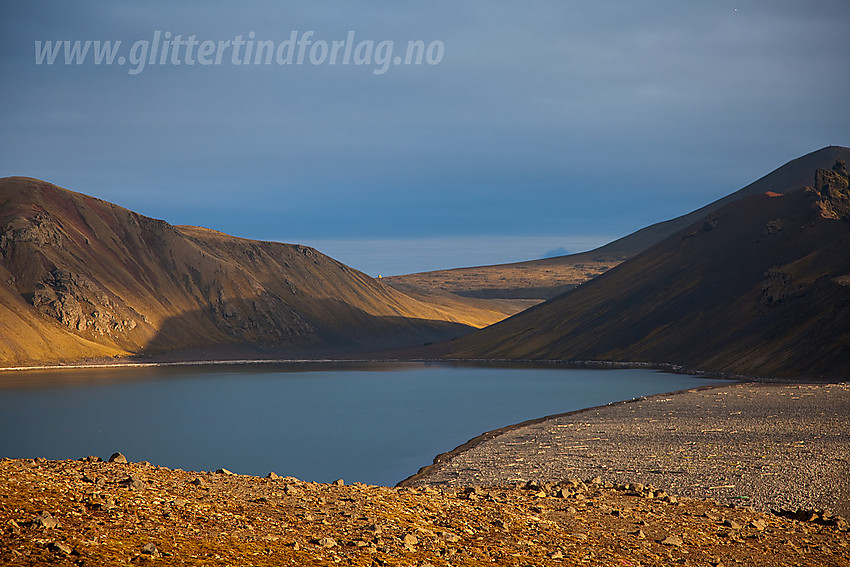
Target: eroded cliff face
<point>832,190</point>
<point>82,305</point>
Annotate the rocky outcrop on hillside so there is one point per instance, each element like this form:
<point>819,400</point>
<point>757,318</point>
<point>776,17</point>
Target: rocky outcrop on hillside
<point>832,189</point>
<point>80,304</point>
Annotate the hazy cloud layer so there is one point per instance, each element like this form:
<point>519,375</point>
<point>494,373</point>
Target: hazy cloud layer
<point>574,118</point>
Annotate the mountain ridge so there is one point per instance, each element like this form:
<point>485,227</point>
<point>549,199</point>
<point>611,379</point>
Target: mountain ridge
<point>81,277</point>
<point>758,287</point>
<point>548,277</point>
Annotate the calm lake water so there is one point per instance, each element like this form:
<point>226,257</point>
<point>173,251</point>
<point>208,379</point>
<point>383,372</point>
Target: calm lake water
<point>371,423</point>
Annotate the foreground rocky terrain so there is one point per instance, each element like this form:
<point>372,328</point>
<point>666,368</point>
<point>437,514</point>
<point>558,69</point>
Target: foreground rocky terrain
<point>95,513</point>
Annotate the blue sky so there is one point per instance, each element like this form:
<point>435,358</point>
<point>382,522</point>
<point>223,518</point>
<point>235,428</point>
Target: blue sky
<point>540,125</point>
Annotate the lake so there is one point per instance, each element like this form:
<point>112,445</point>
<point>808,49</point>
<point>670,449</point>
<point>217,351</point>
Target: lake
<point>375,423</point>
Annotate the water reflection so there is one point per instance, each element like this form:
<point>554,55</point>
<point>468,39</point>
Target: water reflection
<point>375,423</point>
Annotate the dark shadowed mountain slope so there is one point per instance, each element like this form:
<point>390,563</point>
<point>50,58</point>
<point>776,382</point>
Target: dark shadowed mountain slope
<point>760,286</point>
<point>544,279</point>
<point>81,277</point>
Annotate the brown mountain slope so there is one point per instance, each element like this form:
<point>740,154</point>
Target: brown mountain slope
<point>761,287</point>
<point>546,278</point>
<point>80,277</point>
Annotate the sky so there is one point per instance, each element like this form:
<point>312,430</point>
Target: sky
<point>509,132</point>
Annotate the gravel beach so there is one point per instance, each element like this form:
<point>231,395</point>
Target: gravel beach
<point>765,445</point>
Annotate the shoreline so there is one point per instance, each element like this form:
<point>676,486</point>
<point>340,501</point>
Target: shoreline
<point>234,362</point>
<point>442,458</point>
<point>641,405</point>
<point>765,445</point>
<point>384,357</point>
<point>132,513</point>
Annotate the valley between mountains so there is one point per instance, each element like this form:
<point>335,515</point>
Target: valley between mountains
<point>755,283</point>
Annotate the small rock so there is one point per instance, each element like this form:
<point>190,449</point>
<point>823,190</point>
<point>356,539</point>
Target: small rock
<point>100,502</point>
<point>759,524</point>
<point>150,549</point>
<point>732,524</point>
<point>639,534</point>
<point>59,547</point>
<point>410,539</point>
<point>45,520</point>
<point>327,542</point>
<point>673,540</point>
<point>339,482</point>
<point>272,475</point>
<point>556,555</point>
<point>196,481</point>
<point>118,458</point>
<point>225,472</point>
<point>132,483</point>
